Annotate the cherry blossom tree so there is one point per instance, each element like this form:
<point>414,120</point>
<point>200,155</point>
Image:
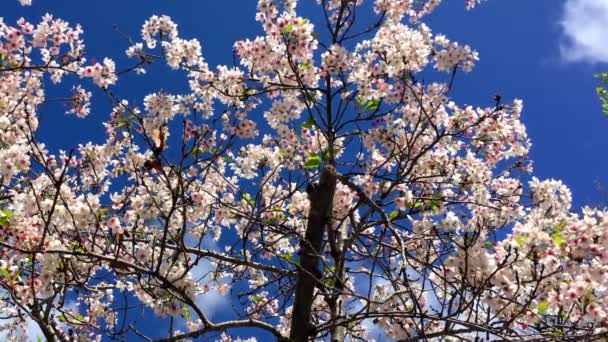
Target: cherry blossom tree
<point>317,183</point>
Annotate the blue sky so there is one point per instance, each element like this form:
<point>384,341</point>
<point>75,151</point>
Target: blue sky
<point>543,51</point>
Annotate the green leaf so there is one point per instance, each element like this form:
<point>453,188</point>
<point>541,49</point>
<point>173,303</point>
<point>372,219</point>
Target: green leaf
<point>326,155</point>
<point>558,239</point>
<point>62,318</point>
<point>435,202</point>
<point>270,222</point>
<point>312,164</point>
<point>186,313</point>
<point>80,317</point>
<point>287,256</point>
<point>489,243</point>
<point>256,299</point>
<point>38,339</point>
<point>120,123</point>
<point>558,228</point>
<point>521,240</point>
<point>5,272</point>
<point>542,307</point>
<point>306,65</point>
<point>309,123</point>
<point>248,198</point>
<point>102,212</point>
<point>602,92</point>
<point>330,281</point>
<point>416,205</point>
<point>372,104</point>
<point>289,28</point>
<point>6,213</point>
<point>603,76</point>
<point>5,217</point>
<point>393,214</point>
<point>313,161</point>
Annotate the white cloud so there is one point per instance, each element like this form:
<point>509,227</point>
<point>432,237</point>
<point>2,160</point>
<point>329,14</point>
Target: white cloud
<point>212,301</point>
<point>585,35</point>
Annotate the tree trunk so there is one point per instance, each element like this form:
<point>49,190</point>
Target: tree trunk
<point>321,197</point>
<point>337,332</point>
<point>336,300</point>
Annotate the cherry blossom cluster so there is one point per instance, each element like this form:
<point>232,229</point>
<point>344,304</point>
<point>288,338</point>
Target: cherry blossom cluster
<point>396,10</point>
<point>81,102</point>
<point>102,74</point>
<point>388,299</point>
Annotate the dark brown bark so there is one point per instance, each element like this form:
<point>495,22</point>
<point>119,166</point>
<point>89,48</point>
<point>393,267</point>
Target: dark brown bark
<point>321,197</point>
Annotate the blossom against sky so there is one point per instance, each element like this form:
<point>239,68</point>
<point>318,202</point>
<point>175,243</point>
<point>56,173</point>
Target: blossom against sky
<point>520,43</point>
<point>527,50</point>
